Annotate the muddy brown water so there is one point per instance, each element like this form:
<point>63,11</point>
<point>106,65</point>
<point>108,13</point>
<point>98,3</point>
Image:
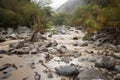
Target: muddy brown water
<point>23,62</point>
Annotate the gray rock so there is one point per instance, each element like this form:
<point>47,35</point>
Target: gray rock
<point>117,68</point>
<point>23,35</point>
<point>90,74</point>
<point>9,31</point>
<point>23,29</point>
<point>5,66</point>
<point>105,62</point>
<point>49,35</point>
<point>22,51</point>
<point>26,78</point>
<point>51,44</point>
<point>75,38</point>
<point>79,43</point>
<point>81,59</point>
<point>62,49</point>
<point>92,59</point>
<point>67,70</point>
<point>53,51</point>
<point>89,51</point>
<point>3,51</point>
<point>50,75</point>
<point>117,77</point>
<point>13,36</point>
<point>34,51</point>
<point>116,55</point>
<point>44,50</point>
<point>2,39</point>
<point>37,76</point>
<point>18,44</point>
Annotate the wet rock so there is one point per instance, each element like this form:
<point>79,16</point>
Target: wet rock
<point>92,59</point>
<point>3,51</point>
<point>53,51</point>
<point>37,76</point>
<point>50,75</point>
<point>84,44</point>
<point>49,35</point>
<point>75,38</point>
<point>105,62</point>
<point>89,51</point>
<point>51,44</point>
<point>21,51</point>
<point>34,51</point>
<point>18,44</point>
<point>2,39</point>
<point>9,31</point>
<point>116,55</point>
<point>44,50</point>
<point>66,59</point>
<point>81,59</point>
<point>90,74</point>
<point>1,56</point>
<point>26,78</point>
<point>5,66</point>
<point>117,77</point>
<point>48,57</point>
<point>5,72</point>
<point>117,68</point>
<point>5,76</point>
<point>67,70</point>
<point>13,36</point>
<point>75,54</point>
<point>23,36</point>
<point>63,79</point>
<point>62,49</point>
<point>45,71</point>
<point>79,43</point>
<point>23,29</point>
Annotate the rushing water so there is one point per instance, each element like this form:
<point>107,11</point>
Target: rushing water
<point>24,62</point>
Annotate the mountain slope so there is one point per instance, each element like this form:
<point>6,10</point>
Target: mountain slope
<point>69,6</point>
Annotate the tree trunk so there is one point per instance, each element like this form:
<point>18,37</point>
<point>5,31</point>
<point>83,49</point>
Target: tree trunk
<point>34,36</point>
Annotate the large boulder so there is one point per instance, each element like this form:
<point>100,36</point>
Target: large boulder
<point>90,74</point>
<point>105,62</point>
<point>67,70</point>
<point>18,44</point>
<point>23,29</point>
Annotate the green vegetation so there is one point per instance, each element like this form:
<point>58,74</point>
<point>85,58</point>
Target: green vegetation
<point>105,14</point>
<point>94,16</point>
<point>23,12</point>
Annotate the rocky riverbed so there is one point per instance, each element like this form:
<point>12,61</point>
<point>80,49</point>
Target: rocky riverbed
<point>63,56</point>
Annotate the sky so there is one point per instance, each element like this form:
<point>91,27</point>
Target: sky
<point>57,3</point>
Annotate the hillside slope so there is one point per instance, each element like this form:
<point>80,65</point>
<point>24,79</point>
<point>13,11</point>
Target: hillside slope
<point>69,6</point>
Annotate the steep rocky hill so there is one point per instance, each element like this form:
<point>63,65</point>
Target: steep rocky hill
<point>69,6</point>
